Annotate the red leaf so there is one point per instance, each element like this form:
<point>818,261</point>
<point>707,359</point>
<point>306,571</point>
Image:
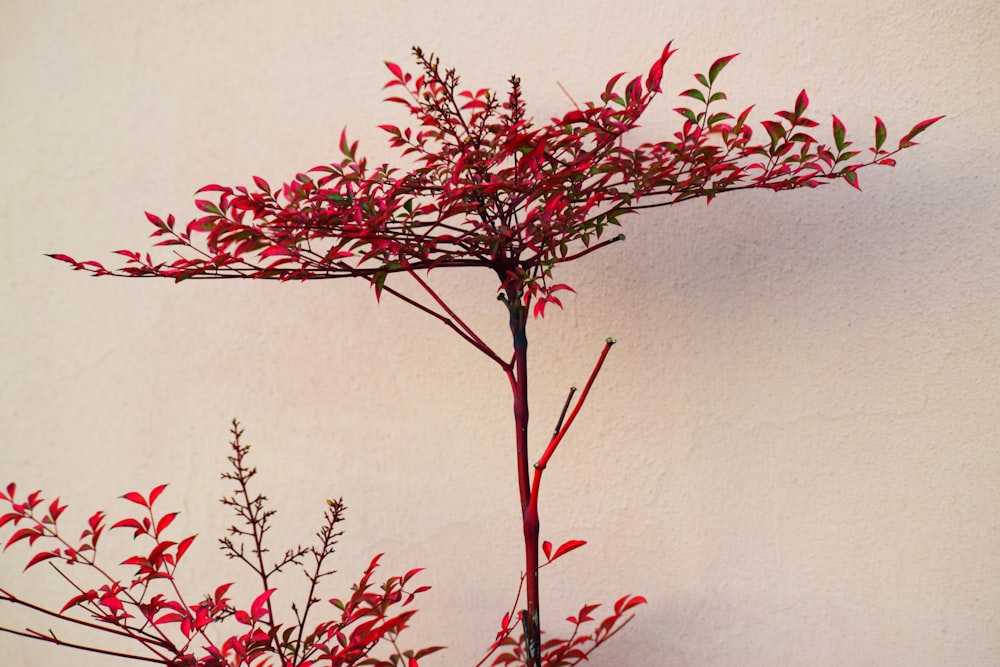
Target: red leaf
<point>184,545</point>
<point>567,547</point>
<point>165,521</point>
<point>138,561</point>
<point>155,493</point>
<point>633,91</point>
<point>656,71</point>
<point>627,602</point>
<point>220,592</point>
<point>77,599</point>
<point>396,70</point>
<point>95,520</point>
<point>39,557</point>
<point>547,549</point>
<point>610,87</point>
<point>65,258</point>
<point>135,497</point>
<point>30,534</point>
<point>907,140</point>
<point>130,523</point>
<point>584,615</point>
<point>55,509</point>
<point>169,617</point>
<point>259,607</point>
<point>212,187</point>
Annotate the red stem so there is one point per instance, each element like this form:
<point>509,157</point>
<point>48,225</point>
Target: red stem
<point>558,435</point>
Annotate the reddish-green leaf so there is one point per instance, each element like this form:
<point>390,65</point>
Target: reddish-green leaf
<point>262,184</point>
<point>694,93</point>
<point>801,103</point>
<point>345,147</point>
<point>879,133</point>
<point>838,134</point>
<point>907,139</point>
<point>774,130</point>
<point>718,65</point>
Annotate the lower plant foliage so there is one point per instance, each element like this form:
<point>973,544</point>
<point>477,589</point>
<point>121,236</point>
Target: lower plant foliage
<point>141,599</point>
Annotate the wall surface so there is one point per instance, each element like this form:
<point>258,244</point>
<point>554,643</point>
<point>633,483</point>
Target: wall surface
<point>793,452</point>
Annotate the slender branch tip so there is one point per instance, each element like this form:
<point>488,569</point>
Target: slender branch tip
<point>611,341</point>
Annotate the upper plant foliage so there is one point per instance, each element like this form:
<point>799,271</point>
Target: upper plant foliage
<point>485,186</point>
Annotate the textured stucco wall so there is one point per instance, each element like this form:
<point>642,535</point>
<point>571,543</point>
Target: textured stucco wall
<point>793,452</point>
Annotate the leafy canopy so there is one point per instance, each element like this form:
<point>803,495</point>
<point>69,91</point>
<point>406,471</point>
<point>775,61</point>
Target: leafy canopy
<point>488,187</point>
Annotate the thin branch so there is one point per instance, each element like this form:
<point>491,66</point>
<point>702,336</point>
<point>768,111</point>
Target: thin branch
<point>562,415</point>
<point>456,320</point>
<point>558,436</point>
<point>52,639</point>
<point>479,345</point>
<point>162,643</point>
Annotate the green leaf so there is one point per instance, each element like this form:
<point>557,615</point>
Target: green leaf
<point>379,282</point>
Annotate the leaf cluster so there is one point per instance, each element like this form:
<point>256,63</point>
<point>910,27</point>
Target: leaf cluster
<point>483,185</point>
<point>148,607</point>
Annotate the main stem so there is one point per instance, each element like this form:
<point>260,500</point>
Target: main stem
<point>529,510</point>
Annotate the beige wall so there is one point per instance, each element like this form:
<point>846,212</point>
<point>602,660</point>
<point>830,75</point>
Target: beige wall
<point>793,452</point>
